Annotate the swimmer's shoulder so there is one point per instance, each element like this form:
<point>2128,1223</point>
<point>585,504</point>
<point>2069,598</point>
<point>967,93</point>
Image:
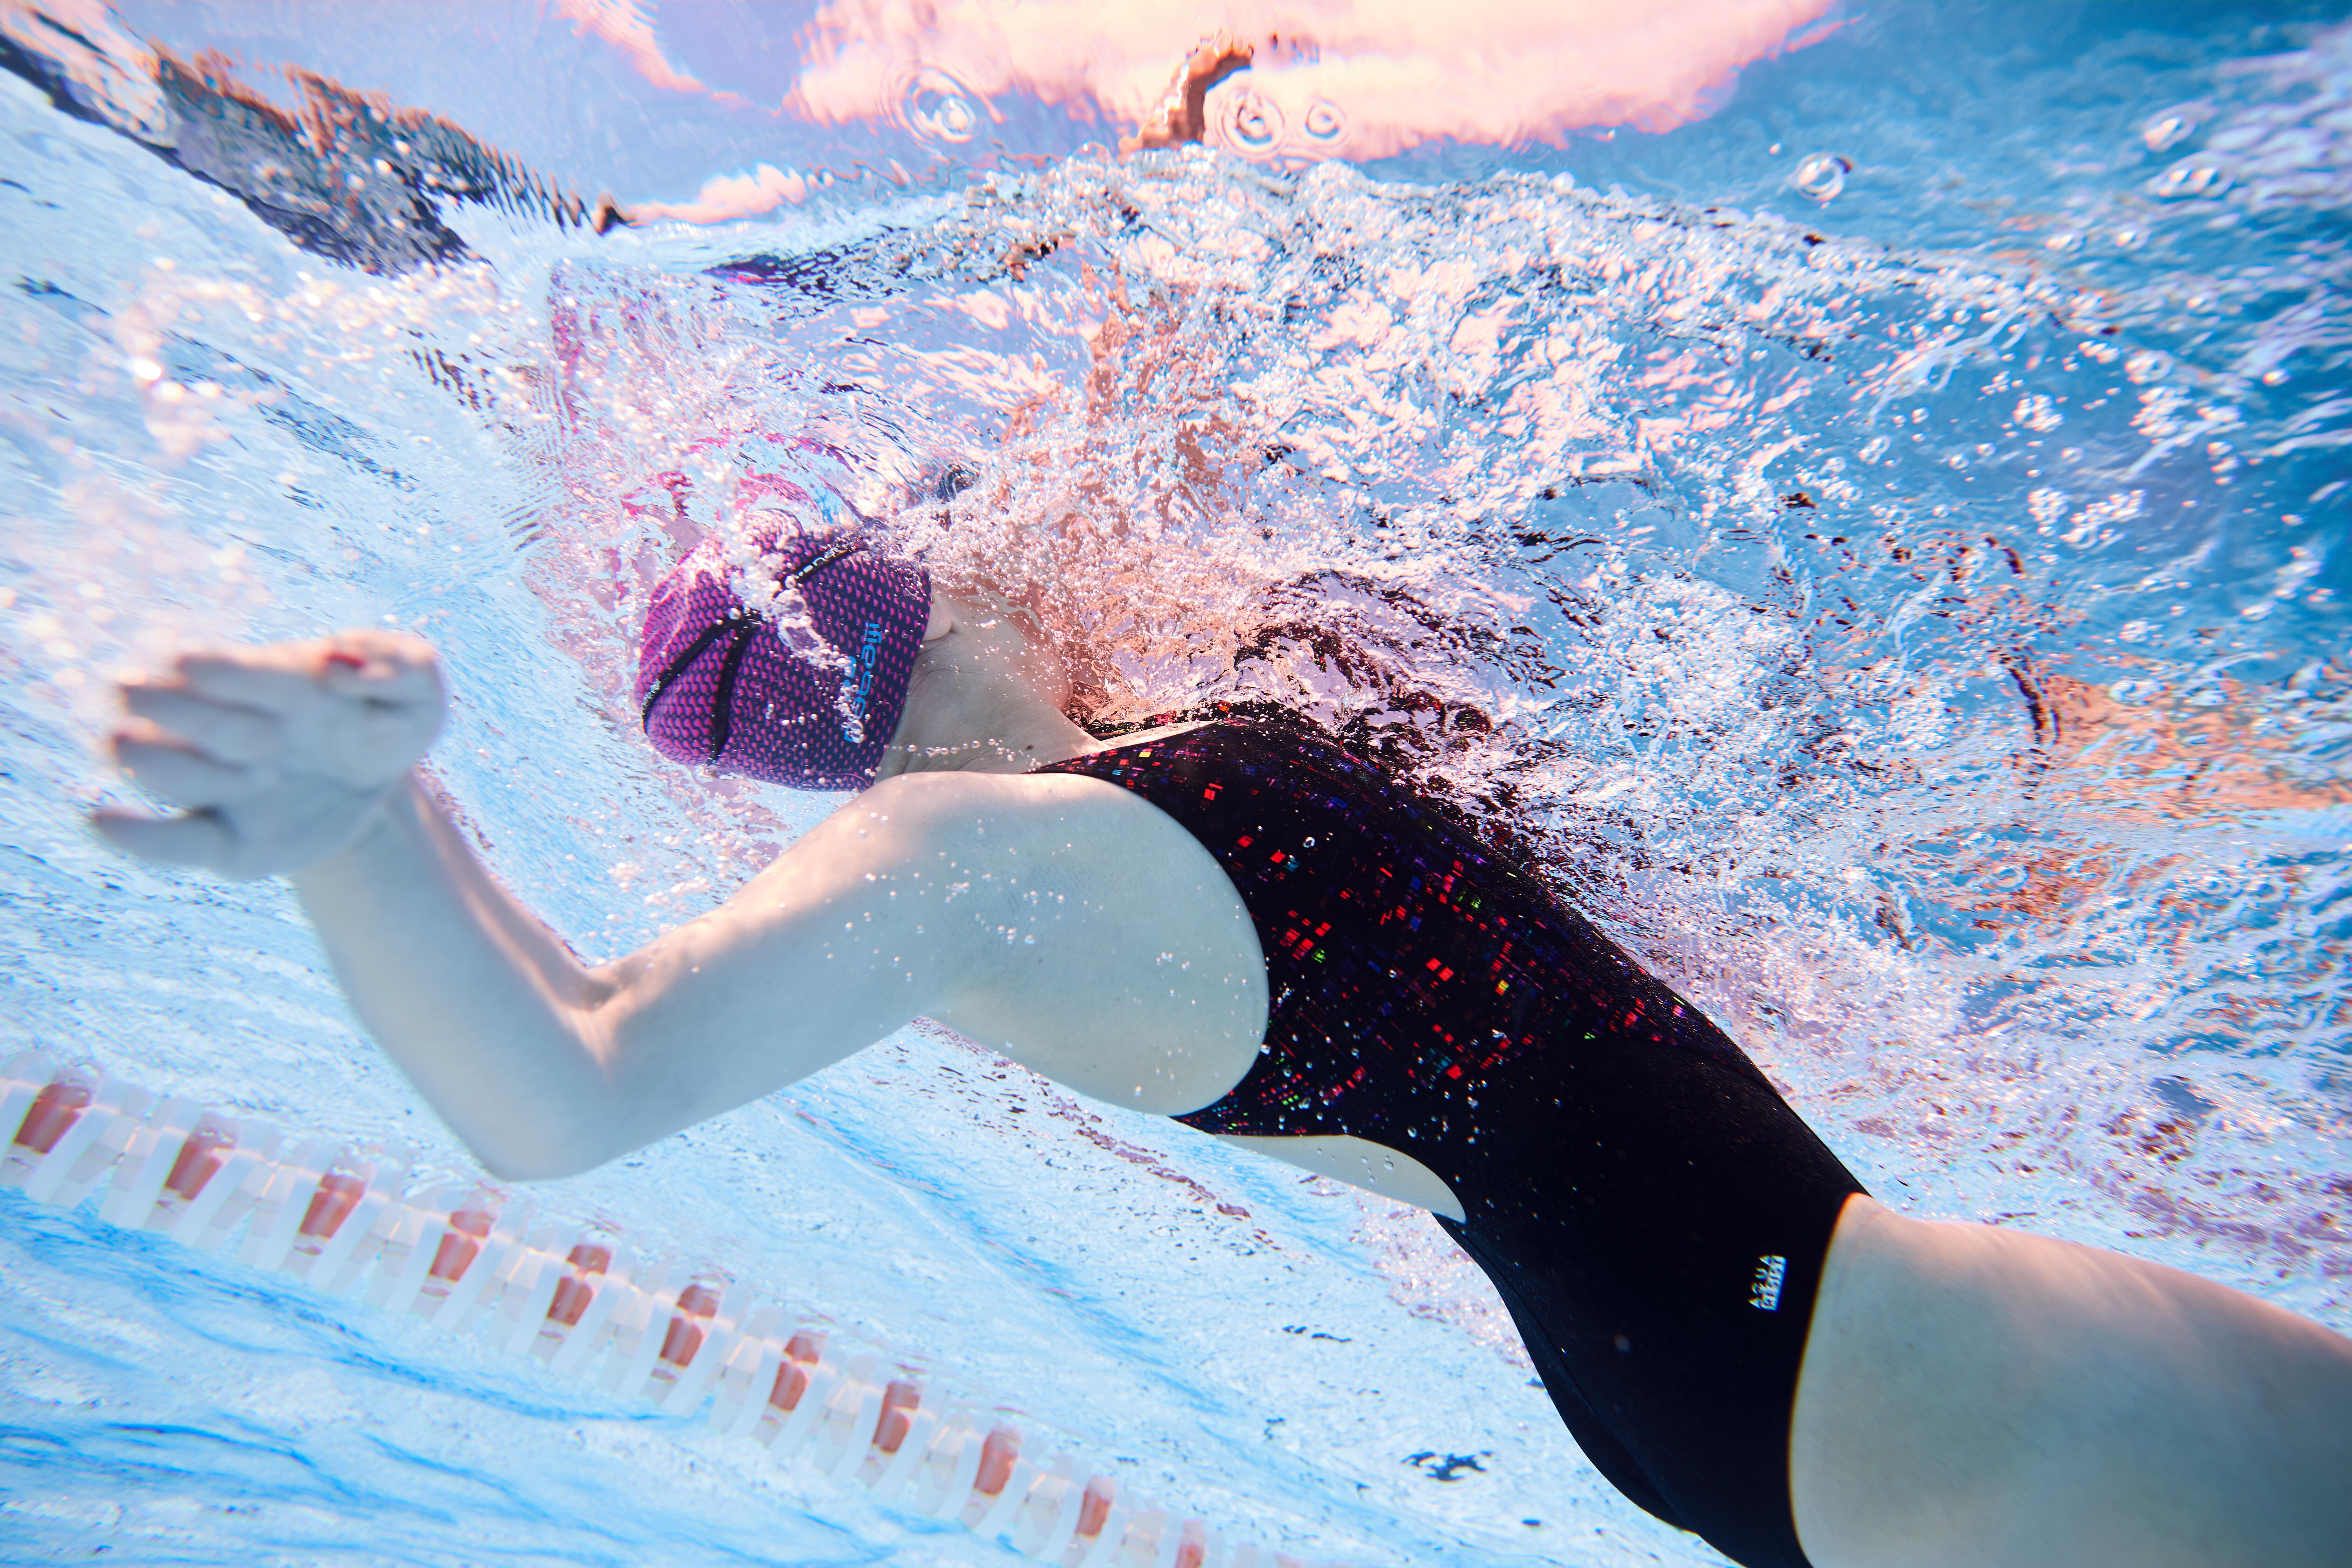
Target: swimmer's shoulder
<point>1055,804</point>
<point>921,811</point>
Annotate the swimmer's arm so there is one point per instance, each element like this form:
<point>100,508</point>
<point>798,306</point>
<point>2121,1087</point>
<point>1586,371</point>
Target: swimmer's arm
<point>484,1008</point>
<point>547,1066</point>
<point>295,758</point>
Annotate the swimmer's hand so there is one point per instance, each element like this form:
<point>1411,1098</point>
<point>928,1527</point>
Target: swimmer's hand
<point>278,755</point>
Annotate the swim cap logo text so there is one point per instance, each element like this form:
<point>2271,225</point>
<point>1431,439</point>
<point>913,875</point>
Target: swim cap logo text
<point>866,655</point>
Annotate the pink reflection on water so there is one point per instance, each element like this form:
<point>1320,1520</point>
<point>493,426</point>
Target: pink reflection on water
<point>1359,81</point>
<point>628,27</point>
<point>1287,81</point>
<point>726,196</point>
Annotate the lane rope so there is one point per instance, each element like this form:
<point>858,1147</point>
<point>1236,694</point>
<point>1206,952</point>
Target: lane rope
<point>471,1261</point>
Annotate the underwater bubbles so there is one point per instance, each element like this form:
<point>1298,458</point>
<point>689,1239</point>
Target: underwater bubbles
<point>1822,176</point>
<point>937,108</point>
<point>2038,413</point>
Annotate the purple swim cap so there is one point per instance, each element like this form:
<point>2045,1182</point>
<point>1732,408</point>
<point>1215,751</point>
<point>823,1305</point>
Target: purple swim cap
<point>808,702</point>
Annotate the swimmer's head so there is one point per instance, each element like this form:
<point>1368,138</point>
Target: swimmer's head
<point>794,671</point>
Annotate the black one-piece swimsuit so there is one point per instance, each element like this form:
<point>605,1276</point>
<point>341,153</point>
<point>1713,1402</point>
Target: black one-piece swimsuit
<point>1651,1212</point>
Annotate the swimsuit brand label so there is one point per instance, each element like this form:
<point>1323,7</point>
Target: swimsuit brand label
<point>1770,1273</point>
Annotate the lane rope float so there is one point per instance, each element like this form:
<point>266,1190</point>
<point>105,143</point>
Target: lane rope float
<point>471,1261</point>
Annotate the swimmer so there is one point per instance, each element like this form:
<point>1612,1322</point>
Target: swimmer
<point>1238,924</point>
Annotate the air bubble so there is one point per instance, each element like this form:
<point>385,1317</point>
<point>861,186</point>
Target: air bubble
<point>1822,175</point>
<point>1255,125</point>
<point>2191,178</point>
<point>2168,129</point>
<point>1325,122</point>
<point>937,107</point>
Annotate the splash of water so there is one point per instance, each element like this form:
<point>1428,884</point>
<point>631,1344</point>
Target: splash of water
<point>1818,613</point>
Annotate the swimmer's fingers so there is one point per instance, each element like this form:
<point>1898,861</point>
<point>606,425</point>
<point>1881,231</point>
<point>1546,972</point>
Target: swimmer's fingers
<point>192,838</point>
<point>360,707</point>
<point>383,667</point>
<point>177,775</point>
<point>282,753</point>
<point>274,678</point>
<point>388,667</point>
<point>222,731</point>
<point>386,731</point>
<point>391,709</point>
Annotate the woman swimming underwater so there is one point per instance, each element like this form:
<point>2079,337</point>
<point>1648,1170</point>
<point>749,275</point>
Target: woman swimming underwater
<point>1241,925</point>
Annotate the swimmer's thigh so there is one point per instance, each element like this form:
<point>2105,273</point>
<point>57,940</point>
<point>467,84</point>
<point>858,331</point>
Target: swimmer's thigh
<point>1980,1396</point>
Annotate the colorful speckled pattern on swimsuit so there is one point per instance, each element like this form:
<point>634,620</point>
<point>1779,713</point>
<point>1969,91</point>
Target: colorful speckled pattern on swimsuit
<point>1650,1210</point>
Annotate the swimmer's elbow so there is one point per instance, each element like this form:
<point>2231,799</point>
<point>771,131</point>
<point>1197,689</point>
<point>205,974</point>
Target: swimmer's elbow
<point>581,1116</point>
<point>537,1160</point>
<point>526,1174</point>
<point>539,1151</point>
<point>604,1082</point>
<point>535,1164</point>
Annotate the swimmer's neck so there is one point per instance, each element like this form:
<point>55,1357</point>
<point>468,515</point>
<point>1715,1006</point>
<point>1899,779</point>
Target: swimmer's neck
<point>986,696</point>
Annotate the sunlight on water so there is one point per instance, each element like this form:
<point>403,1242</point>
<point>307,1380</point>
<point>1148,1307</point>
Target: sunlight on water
<point>1890,577</point>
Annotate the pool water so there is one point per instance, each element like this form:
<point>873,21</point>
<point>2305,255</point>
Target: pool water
<point>1859,504</point>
